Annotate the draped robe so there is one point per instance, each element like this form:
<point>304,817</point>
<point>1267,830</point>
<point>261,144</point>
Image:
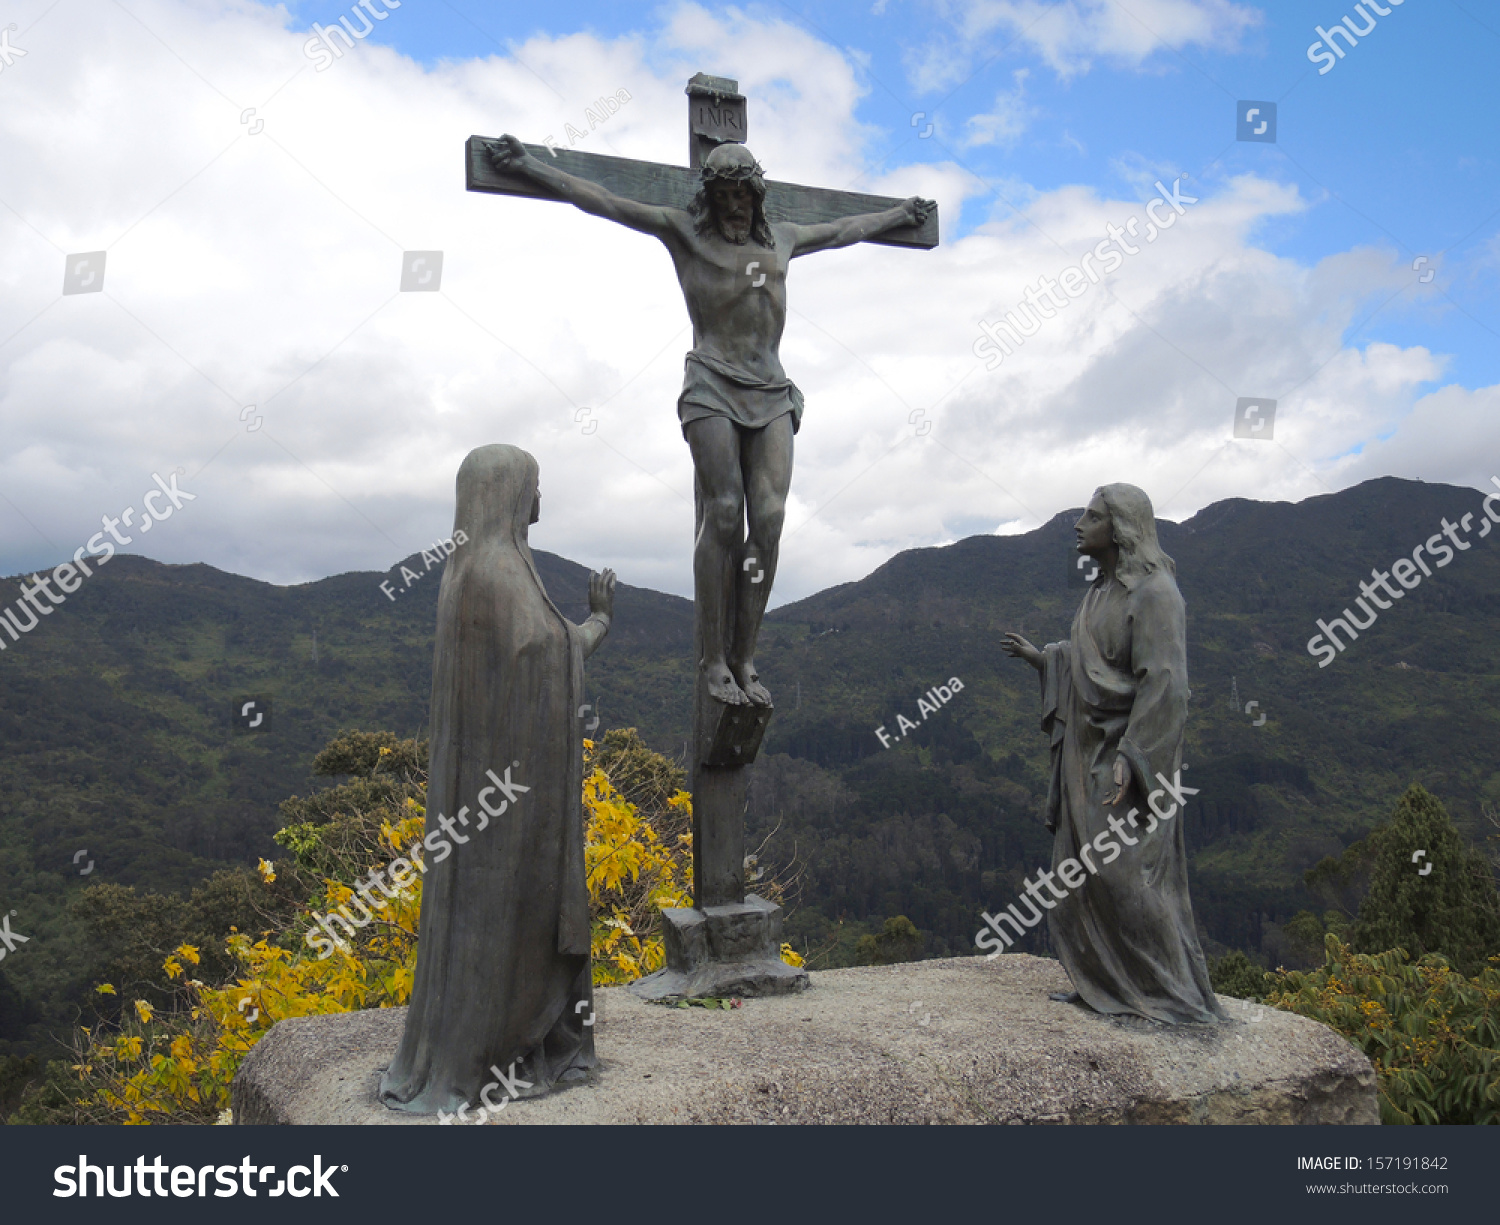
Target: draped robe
<point>1119,687</point>
<point>503,944</point>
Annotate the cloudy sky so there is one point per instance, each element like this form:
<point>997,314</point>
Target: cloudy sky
<point>254,202</point>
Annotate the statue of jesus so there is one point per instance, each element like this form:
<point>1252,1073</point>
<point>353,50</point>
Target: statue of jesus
<point>738,408</point>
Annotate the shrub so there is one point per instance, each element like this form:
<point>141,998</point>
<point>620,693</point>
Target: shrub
<point>1432,1034</point>
<point>898,941</point>
<point>172,1058</point>
<point>1234,974</point>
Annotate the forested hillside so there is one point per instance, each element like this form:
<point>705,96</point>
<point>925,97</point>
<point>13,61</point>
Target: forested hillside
<point>119,741</point>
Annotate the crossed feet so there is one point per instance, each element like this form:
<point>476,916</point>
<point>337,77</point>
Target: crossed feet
<point>737,685</point>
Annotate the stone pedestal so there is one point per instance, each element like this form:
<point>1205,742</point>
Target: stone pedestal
<point>962,1040</point>
<point>733,949</point>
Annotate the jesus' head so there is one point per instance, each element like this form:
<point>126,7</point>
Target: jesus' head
<point>732,198</point>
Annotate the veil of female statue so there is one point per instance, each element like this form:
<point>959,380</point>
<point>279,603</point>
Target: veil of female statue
<point>502,1000</point>
<point>1114,702</point>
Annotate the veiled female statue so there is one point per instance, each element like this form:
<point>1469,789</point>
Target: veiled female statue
<point>1114,702</point>
<point>502,1003</point>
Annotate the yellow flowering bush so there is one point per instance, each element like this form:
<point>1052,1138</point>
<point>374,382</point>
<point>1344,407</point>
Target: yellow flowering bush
<point>632,874</point>
<point>1432,1034</point>
<point>175,1063</point>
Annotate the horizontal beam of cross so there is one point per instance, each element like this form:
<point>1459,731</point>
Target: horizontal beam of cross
<point>675,186</point>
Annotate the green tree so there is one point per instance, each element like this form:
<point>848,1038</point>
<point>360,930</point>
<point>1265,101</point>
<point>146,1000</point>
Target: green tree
<point>1429,892</point>
<point>129,932</point>
<point>644,777</point>
<point>331,831</point>
<point>1340,881</point>
<point>1234,974</point>
<point>1304,935</point>
<point>898,941</point>
<point>367,753</point>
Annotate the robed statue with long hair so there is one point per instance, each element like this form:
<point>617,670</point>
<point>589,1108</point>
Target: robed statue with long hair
<point>502,1005</point>
<point>1114,703</point>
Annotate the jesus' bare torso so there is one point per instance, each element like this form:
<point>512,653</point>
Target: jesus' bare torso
<point>739,410</point>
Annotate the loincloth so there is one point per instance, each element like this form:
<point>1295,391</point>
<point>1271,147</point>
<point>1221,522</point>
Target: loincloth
<point>713,388</point>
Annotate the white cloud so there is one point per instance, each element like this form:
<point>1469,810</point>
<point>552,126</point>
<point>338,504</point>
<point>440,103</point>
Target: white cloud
<point>1009,118</point>
<point>1451,431</point>
<point>262,270</point>
<point>1069,35</point>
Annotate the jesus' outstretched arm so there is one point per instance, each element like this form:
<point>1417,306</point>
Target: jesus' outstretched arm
<point>846,231</point>
<point>510,155</point>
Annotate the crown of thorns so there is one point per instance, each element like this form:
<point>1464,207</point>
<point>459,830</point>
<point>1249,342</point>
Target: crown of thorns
<point>737,174</point>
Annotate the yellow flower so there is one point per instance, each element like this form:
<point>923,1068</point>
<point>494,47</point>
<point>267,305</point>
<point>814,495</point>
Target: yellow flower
<point>267,871</point>
<point>144,1011</point>
<point>790,955</point>
<point>188,953</point>
<point>105,989</point>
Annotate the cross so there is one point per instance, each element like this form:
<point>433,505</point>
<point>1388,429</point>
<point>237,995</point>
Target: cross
<point>731,711</point>
<point>716,115</point>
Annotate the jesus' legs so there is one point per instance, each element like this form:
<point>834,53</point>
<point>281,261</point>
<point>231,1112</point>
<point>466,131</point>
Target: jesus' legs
<point>715,443</point>
<point>766,463</point>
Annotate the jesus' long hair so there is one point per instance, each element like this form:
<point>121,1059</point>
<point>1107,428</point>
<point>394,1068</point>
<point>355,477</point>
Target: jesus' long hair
<point>1134,525</point>
<point>702,211</point>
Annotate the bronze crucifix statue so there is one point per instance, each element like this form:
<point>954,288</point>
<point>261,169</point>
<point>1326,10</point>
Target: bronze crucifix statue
<point>732,235</point>
<point>738,408</point>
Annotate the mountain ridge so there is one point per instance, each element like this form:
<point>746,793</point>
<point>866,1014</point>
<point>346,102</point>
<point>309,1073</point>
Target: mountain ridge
<point>116,715</point>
